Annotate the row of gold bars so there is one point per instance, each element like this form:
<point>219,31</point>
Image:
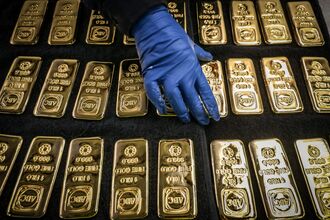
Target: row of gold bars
<point>210,20</point>
<point>176,183</point>
<point>92,98</point>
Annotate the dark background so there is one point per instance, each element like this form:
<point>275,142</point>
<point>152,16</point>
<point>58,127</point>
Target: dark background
<point>287,128</point>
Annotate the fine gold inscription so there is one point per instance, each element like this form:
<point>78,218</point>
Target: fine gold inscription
<point>57,87</point>
<point>274,25</point>
<point>16,89</point>
<point>177,8</point>
<point>314,158</point>
<point>130,180</point>
<point>82,178</point>
<point>277,186</point>
<point>29,22</point>
<point>232,180</point>
<point>245,23</point>
<point>211,25</point>
<point>177,196</point>
<point>94,90</point>
<point>281,85</point>
<point>64,22</point>
<point>306,28</point>
<point>131,96</point>
<point>317,77</point>
<point>100,30</point>
<point>243,87</point>
<point>37,177</point>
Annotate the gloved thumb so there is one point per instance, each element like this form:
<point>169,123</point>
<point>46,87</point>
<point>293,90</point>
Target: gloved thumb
<point>202,54</point>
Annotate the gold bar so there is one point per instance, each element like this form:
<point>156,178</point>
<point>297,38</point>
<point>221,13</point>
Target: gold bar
<point>214,76</point>
<point>282,90</point>
<point>16,90</point>
<point>64,22</point>
<point>243,87</point>
<point>130,180</point>
<point>29,22</point>
<point>57,87</point>
<point>211,24</point>
<point>317,74</point>
<point>176,194</point>
<point>92,99</point>
<point>245,23</point>
<point>232,180</point>
<point>131,96</point>
<point>277,186</point>
<point>37,177</point>
<point>177,8</point>
<point>274,26</point>
<point>314,158</point>
<point>9,148</point>
<point>128,40</point>
<point>82,178</point>
<point>100,30</point>
<point>306,28</point>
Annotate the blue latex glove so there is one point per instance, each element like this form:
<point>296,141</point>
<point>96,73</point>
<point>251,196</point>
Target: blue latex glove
<point>169,58</point>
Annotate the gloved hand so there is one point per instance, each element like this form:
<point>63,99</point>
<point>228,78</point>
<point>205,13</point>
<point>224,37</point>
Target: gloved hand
<point>169,58</point>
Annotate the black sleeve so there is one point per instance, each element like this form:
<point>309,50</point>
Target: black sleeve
<point>123,12</point>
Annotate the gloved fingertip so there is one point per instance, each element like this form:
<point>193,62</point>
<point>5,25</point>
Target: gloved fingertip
<point>162,110</point>
<point>185,118</point>
<point>204,121</point>
<point>216,117</point>
<point>203,54</point>
<point>214,113</point>
<point>208,56</point>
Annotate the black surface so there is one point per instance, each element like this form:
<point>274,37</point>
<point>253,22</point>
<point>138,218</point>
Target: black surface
<point>287,128</point>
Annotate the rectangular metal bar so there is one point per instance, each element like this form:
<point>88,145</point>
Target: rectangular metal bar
<point>211,24</point>
<point>276,183</point>
<point>128,40</point>
<point>232,180</point>
<point>82,178</point>
<point>100,30</point>
<point>306,28</point>
<point>177,8</point>
<point>245,23</point>
<point>130,180</point>
<point>9,148</point>
<point>29,22</point>
<point>57,87</point>
<point>37,177</point>
<point>92,98</point>
<point>314,158</point>
<point>16,90</point>
<point>317,77</point>
<point>64,23</point>
<point>176,195</point>
<point>131,96</point>
<point>274,26</point>
<point>243,87</point>
<point>282,90</point>
<point>214,75</point>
